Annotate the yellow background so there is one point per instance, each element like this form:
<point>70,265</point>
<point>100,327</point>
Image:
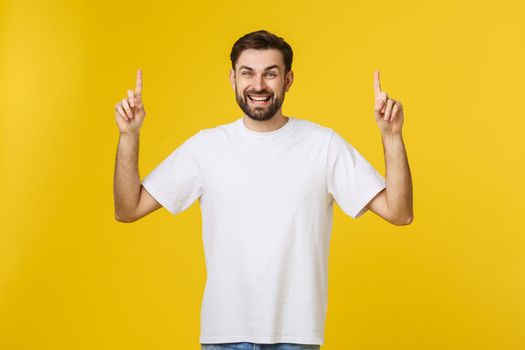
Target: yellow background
<point>71,277</point>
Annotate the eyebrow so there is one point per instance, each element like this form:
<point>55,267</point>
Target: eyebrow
<point>267,68</point>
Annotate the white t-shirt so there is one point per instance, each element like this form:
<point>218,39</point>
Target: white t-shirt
<point>267,201</point>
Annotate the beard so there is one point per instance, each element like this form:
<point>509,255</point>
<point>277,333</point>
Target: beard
<point>259,113</point>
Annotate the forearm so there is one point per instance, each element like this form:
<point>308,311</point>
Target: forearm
<point>126,185</point>
<point>398,178</point>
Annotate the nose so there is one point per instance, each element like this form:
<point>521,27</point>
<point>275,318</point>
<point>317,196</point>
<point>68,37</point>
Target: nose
<point>259,83</point>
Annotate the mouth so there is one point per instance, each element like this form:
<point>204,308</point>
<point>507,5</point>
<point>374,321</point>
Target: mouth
<point>259,100</point>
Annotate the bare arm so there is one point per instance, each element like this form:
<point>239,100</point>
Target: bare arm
<point>394,203</point>
<point>132,201</point>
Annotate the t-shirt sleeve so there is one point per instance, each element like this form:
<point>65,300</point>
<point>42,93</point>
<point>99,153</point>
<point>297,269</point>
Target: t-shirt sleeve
<point>176,182</point>
<point>351,180</point>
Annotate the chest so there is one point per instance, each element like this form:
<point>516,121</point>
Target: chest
<point>265,176</point>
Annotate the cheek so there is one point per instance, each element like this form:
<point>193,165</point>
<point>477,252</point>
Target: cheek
<point>278,88</point>
<point>240,90</point>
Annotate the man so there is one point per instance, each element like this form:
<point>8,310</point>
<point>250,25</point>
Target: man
<point>266,184</point>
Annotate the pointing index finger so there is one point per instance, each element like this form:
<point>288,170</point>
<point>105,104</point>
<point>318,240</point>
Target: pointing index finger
<point>138,88</point>
<point>377,84</point>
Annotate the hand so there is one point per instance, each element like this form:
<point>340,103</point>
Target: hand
<point>130,112</point>
<point>388,112</point>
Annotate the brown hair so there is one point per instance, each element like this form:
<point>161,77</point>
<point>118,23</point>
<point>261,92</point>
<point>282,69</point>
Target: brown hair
<point>261,40</point>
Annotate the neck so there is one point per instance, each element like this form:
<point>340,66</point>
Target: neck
<point>276,122</point>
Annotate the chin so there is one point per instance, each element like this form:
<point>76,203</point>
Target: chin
<point>260,117</point>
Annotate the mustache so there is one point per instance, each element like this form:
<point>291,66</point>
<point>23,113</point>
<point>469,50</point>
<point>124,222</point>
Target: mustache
<point>262,92</point>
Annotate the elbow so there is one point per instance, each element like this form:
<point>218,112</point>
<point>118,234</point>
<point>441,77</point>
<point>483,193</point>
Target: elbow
<point>124,218</point>
<point>403,221</point>
<point>409,220</point>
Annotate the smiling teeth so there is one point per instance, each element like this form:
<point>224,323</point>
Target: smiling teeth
<point>258,98</point>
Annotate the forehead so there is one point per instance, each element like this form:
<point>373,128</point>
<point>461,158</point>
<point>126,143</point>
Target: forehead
<point>260,59</point>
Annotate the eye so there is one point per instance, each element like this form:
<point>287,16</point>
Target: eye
<point>271,74</point>
<point>246,73</point>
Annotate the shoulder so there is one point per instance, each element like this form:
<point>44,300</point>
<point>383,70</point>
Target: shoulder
<point>313,129</point>
<point>334,140</point>
<point>213,132</point>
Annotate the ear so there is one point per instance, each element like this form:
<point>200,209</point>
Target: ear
<point>232,78</point>
<point>288,80</point>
